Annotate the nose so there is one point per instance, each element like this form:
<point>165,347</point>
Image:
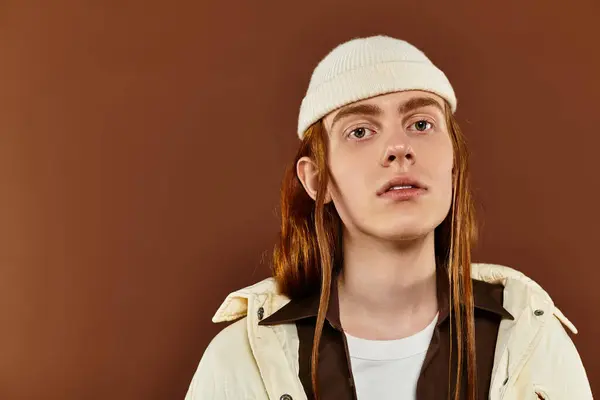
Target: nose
<point>399,150</point>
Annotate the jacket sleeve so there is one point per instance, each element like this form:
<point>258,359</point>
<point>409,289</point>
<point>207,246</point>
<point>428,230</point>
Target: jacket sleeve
<point>227,370</point>
<point>209,382</point>
<point>561,374</point>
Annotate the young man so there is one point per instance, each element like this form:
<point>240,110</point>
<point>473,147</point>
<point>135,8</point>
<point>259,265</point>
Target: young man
<point>374,295</point>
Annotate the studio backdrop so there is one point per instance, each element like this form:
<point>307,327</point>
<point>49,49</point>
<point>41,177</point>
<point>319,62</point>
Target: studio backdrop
<point>142,145</point>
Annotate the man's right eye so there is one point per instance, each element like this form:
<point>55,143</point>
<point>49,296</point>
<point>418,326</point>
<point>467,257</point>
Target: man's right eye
<point>360,133</point>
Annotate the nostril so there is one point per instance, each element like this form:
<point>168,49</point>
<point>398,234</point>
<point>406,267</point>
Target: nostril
<point>391,158</point>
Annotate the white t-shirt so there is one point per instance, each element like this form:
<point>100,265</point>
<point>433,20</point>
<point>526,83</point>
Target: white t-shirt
<point>389,369</point>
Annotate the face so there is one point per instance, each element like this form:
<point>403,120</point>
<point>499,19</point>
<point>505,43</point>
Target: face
<point>398,140</point>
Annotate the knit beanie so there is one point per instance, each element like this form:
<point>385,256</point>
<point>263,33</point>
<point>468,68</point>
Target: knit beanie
<point>366,67</point>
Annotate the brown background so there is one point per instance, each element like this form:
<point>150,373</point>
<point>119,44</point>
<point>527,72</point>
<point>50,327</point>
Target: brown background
<point>142,145</point>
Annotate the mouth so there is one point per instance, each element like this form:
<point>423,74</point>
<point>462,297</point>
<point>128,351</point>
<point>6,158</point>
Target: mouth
<point>402,184</point>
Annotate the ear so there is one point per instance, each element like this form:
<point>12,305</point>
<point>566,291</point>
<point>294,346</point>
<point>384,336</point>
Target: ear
<point>308,173</point>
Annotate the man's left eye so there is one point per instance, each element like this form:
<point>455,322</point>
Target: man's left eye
<point>422,125</point>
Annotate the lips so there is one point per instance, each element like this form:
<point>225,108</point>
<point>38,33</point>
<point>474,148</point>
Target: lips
<point>400,183</point>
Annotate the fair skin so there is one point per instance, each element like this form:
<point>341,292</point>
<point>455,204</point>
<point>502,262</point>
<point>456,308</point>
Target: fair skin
<point>387,289</point>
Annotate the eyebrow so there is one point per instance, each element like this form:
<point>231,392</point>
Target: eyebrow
<point>373,110</point>
<point>357,109</point>
<point>418,102</point>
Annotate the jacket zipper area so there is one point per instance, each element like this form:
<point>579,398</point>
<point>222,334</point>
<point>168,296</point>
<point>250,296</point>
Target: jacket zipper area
<point>348,363</point>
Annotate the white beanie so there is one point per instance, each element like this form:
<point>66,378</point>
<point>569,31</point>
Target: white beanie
<point>366,67</point>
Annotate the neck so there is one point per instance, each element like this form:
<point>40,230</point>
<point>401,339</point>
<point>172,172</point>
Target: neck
<point>387,289</point>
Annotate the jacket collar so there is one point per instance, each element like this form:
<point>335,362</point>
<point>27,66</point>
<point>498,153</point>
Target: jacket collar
<point>486,296</point>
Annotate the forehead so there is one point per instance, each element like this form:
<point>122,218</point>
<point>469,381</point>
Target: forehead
<point>386,101</point>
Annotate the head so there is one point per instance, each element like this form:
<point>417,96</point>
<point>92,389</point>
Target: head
<point>374,147</point>
<point>377,115</point>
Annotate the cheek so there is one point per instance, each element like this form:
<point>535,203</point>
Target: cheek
<point>444,166</point>
<point>445,177</point>
<point>347,181</point>
<point>441,165</point>
<point>344,181</point>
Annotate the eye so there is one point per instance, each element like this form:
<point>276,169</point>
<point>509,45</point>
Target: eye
<point>360,133</point>
<point>422,125</point>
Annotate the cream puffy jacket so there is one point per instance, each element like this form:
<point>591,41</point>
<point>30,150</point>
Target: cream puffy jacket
<point>534,358</point>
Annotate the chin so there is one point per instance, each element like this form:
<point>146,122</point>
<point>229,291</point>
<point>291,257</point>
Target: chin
<point>408,226</point>
<point>404,233</point>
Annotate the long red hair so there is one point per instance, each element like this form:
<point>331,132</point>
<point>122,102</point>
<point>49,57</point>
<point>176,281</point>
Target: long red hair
<point>309,246</point>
